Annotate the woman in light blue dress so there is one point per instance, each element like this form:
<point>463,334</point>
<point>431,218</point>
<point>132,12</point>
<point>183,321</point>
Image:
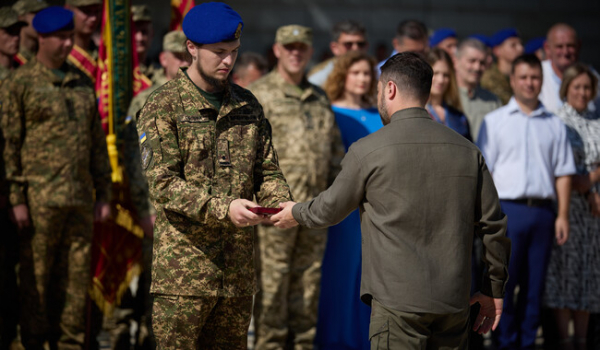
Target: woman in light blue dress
<point>343,318</point>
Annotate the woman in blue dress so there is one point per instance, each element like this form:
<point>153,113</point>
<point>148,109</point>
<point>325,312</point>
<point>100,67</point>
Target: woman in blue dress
<point>343,319</point>
<point>444,102</point>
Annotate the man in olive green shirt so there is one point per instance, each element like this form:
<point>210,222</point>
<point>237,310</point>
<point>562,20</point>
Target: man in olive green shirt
<point>423,192</point>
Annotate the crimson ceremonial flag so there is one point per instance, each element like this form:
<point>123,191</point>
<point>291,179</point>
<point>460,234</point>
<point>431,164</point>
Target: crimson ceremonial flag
<point>179,8</point>
<point>117,244</point>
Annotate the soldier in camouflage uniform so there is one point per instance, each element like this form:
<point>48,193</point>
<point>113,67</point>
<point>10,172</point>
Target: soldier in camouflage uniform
<point>26,9</point>
<point>10,26</point>
<point>56,160</point>
<point>207,151</point>
<point>307,139</point>
<point>507,46</point>
<point>143,34</point>
<point>88,16</point>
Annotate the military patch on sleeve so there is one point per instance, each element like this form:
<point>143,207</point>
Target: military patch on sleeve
<point>146,152</point>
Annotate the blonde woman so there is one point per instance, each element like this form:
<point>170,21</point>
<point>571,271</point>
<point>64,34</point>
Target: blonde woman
<point>444,101</point>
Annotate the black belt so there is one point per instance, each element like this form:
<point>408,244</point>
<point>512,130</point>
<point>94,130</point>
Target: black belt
<point>532,202</point>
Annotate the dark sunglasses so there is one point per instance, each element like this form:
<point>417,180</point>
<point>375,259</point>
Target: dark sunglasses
<point>349,44</point>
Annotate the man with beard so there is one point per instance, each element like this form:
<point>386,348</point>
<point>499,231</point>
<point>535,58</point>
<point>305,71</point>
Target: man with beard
<point>207,151</point>
<point>59,179</point>
<point>307,139</point>
<point>423,192</point>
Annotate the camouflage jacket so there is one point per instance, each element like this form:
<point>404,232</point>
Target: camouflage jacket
<point>197,161</point>
<point>305,134</point>
<point>497,83</point>
<point>55,149</point>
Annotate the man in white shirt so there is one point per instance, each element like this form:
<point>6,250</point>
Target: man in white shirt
<point>562,48</point>
<point>531,161</point>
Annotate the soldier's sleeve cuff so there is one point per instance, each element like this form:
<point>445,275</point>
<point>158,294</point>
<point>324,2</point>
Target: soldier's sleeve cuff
<point>219,206</point>
<point>17,195</point>
<point>494,289</point>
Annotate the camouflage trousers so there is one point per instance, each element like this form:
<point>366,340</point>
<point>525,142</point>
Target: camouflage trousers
<point>186,322</point>
<point>9,257</point>
<point>289,276</point>
<point>55,276</point>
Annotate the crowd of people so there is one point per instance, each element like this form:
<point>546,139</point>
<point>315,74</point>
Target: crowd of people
<point>217,135</point>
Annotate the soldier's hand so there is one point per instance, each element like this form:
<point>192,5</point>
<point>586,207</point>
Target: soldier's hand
<point>241,216</point>
<point>19,214</point>
<point>284,219</point>
<point>147,224</point>
<point>101,211</point>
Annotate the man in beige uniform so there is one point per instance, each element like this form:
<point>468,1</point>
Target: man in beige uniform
<point>304,134</point>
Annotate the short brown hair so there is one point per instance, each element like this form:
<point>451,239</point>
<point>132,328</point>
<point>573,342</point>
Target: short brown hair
<point>573,72</point>
<point>336,82</point>
<point>411,74</point>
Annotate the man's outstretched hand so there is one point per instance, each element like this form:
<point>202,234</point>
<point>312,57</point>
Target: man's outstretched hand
<point>489,314</point>
<point>284,219</point>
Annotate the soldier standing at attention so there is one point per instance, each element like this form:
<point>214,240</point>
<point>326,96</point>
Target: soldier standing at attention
<point>305,135</point>
<point>28,46</point>
<point>10,27</point>
<point>87,18</point>
<point>143,34</point>
<point>207,151</point>
<point>507,46</point>
<point>56,159</point>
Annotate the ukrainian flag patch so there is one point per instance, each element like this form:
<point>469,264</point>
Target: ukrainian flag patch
<point>143,138</point>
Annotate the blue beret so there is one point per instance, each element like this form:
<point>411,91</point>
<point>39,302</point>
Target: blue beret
<point>52,19</point>
<point>484,39</point>
<point>440,35</point>
<point>501,35</point>
<point>212,22</point>
<point>535,44</point>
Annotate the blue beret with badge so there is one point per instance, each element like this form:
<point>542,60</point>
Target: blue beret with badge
<point>212,22</point>
<point>440,35</point>
<point>53,19</point>
<point>503,34</point>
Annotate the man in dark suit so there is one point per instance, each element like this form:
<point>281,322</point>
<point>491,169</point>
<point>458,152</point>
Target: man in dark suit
<point>423,192</point>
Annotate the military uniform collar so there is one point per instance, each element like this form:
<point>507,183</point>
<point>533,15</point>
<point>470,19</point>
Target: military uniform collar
<point>196,102</point>
<point>410,113</point>
<point>70,72</point>
<point>301,91</point>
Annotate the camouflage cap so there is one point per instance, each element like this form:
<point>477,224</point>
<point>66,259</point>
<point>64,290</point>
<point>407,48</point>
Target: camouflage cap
<point>140,13</point>
<point>9,17</point>
<point>294,33</point>
<point>22,7</point>
<point>79,3</point>
<point>174,41</point>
